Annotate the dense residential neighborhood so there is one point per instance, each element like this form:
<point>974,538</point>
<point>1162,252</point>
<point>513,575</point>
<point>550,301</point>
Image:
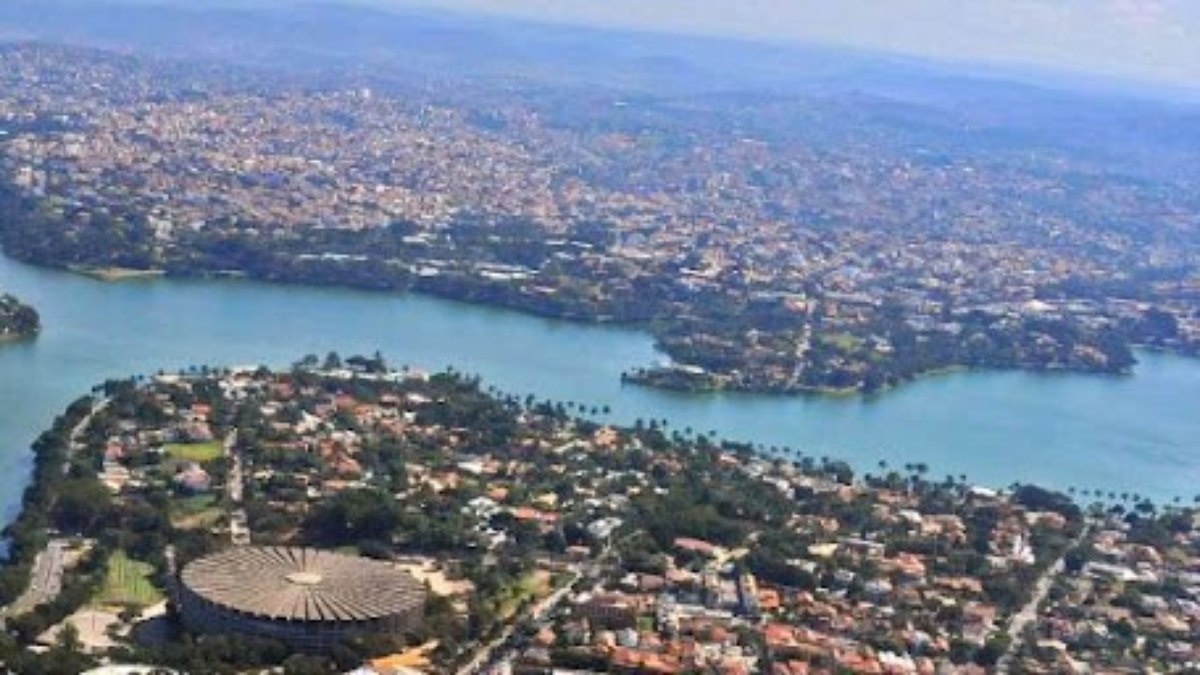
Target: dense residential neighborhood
<point>550,542</point>
<point>674,253</point>
<point>760,259</point>
<point>1126,600</point>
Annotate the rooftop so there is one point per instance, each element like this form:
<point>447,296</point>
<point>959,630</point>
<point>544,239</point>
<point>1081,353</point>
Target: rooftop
<point>302,584</point>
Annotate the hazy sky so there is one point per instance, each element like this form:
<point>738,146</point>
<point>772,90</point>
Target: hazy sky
<point>1143,39</point>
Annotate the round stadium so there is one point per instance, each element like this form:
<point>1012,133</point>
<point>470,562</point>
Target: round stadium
<point>309,599</point>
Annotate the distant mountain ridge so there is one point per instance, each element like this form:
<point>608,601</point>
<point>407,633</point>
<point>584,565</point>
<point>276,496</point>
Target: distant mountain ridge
<point>276,33</point>
<point>423,40</point>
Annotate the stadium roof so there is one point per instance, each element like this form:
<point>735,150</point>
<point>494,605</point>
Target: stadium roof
<point>302,584</point>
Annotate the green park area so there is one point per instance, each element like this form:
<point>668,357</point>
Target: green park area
<point>526,589</point>
<point>843,342</point>
<point>196,512</point>
<point>127,583</point>
<point>194,452</point>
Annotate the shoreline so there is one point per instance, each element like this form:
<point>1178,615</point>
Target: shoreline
<point>726,411</point>
<point>857,392</point>
<point>115,273</point>
<point>123,274</point>
<point>12,338</point>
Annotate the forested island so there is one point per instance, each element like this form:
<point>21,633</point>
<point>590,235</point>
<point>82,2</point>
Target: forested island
<point>17,320</point>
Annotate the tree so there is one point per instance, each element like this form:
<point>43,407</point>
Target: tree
<point>83,506</point>
<point>992,650</point>
<point>352,516</point>
<point>332,361</point>
<point>68,638</point>
<point>305,664</point>
<point>1075,559</point>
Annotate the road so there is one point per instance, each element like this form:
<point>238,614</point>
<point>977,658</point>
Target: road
<point>45,580</point>
<point>1028,614</point>
<point>73,440</point>
<point>803,345</point>
<point>234,485</point>
<point>239,529</point>
<point>486,654</point>
<point>588,571</point>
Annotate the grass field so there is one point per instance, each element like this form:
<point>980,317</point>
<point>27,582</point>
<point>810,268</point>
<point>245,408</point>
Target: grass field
<point>844,342</point>
<point>195,513</point>
<point>127,583</point>
<point>194,452</point>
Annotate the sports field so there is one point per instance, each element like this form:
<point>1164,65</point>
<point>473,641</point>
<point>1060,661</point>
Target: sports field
<point>127,583</point>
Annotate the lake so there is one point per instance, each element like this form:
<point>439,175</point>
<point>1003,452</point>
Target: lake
<point>1139,433</point>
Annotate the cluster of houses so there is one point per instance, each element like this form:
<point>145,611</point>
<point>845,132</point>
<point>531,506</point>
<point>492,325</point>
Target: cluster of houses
<point>884,574</point>
<point>1127,603</point>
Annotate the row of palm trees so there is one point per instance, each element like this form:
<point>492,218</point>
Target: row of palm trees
<point>1115,497</point>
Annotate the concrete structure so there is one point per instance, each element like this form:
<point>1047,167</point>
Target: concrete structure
<point>309,599</point>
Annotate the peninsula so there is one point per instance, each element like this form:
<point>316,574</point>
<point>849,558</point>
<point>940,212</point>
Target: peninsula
<point>546,541</point>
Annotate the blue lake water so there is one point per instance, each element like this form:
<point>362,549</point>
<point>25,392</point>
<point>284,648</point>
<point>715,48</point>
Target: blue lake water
<point>1139,433</point>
